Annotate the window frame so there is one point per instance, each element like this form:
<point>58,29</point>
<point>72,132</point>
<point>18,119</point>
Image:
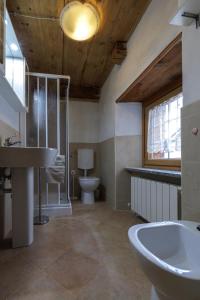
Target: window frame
<point>173,163</point>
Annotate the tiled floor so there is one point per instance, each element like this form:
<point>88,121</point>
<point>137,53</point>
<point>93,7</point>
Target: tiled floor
<point>83,257</point>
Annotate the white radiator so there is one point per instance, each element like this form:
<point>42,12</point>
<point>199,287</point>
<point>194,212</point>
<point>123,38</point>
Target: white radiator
<point>154,201</point>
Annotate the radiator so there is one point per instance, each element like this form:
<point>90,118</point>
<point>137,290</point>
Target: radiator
<point>154,201</point>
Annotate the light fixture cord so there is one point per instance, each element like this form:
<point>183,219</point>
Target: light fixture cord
<point>34,17</point>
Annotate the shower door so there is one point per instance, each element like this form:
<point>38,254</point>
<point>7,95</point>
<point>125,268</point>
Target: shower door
<point>47,126</point>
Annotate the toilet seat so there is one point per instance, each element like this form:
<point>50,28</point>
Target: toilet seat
<point>82,178</point>
<point>88,186</point>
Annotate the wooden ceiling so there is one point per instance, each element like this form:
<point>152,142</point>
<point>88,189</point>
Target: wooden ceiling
<point>161,77</point>
<point>48,50</point>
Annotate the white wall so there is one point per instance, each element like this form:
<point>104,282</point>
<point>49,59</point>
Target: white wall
<point>107,111</point>
<point>191,119</point>
<point>191,64</point>
<point>181,2</point>
<point>151,36</point>
<point>83,122</point>
<point>128,119</point>
<point>8,115</point>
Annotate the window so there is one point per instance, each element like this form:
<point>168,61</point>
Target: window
<point>163,131</point>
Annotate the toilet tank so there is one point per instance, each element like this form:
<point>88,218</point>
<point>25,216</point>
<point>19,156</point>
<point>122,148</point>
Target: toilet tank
<point>85,159</point>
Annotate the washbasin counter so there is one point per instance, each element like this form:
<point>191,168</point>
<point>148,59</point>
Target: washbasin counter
<point>22,161</point>
<point>23,157</point>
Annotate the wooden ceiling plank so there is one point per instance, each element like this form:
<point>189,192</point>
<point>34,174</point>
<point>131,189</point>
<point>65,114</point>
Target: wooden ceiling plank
<point>35,44</point>
<point>100,54</point>
<point>75,55</point>
<point>78,92</point>
<point>121,30</point>
<point>37,8</point>
<point>48,50</point>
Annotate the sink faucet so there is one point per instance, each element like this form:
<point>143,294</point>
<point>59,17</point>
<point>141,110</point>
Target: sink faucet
<point>9,141</point>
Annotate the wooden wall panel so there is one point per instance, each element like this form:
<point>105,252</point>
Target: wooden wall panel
<point>161,77</point>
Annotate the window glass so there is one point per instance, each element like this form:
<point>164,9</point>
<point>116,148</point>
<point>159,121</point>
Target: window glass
<point>164,129</point>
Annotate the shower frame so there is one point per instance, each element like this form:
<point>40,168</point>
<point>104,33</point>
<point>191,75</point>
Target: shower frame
<point>48,207</point>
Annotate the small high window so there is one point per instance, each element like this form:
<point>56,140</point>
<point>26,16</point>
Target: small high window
<point>163,132</point>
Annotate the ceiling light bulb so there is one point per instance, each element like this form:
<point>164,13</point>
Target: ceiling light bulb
<point>14,47</point>
<point>79,21</point>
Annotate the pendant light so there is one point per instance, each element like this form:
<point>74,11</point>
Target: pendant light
<point>79,21</point>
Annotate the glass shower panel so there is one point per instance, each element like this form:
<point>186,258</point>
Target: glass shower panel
<point>52,113</point>
<point>32,115</point>
<point>42,131</point>
<point>64,135</point>
<point>47,127</point>
<point>63,132</point>
<point>32,124</point>
<point>52,98</point>
<point>42,112</point>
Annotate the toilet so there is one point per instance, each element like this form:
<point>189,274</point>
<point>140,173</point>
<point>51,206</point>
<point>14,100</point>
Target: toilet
<point>88,184</point>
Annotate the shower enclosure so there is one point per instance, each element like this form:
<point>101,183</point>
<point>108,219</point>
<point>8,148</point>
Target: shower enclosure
<point>47,125</point>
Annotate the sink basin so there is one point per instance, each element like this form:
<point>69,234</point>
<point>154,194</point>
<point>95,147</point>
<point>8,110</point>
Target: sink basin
<point>23,157</point>
<point>22,162</point>
<point>169,253</point>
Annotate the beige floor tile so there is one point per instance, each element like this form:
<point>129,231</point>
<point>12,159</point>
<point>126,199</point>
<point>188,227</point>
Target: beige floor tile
<point>86,256</point>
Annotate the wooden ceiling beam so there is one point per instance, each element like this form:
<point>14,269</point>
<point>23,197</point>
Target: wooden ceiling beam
<point>119,52</point>
<point>82,92</point>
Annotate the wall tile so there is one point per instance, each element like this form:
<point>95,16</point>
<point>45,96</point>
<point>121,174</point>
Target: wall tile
<point>107,169</point>
<point>128,153</point>
<point>190,142</point>
<point>191,191</point>
<point>191,162</point>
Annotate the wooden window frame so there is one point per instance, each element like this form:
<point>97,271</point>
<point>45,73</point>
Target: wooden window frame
<point>173,164</point>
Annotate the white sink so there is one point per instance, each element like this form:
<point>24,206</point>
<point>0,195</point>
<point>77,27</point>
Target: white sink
<point>169,253</point>
<point>22,162</point>
<point>23,157</point>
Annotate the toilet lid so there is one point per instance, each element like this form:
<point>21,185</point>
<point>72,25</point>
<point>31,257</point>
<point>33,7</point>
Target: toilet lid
<point>89,178</point>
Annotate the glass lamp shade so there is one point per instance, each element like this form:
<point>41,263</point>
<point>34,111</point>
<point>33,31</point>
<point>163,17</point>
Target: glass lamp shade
<point>79,21</point>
